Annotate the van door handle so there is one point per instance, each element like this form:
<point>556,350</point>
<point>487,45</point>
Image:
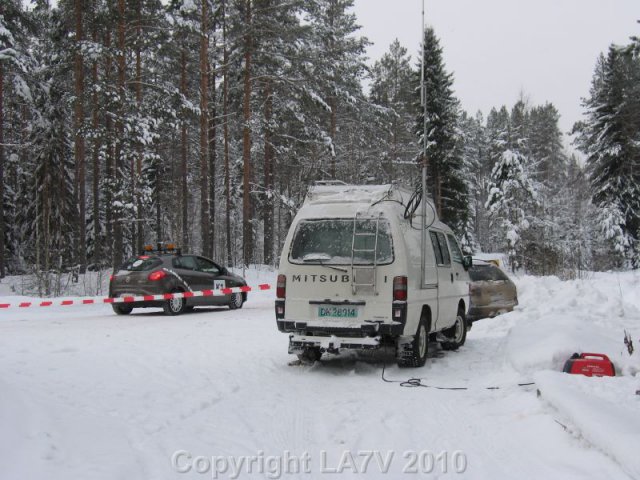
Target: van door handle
<point>452,278</point>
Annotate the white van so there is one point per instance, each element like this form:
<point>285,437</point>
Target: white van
<point>353,275</point>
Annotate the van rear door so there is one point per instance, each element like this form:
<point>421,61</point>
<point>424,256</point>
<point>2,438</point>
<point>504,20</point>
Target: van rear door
<point>344,261</point>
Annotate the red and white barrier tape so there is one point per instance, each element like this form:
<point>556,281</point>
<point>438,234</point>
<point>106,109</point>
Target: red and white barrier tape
<point>139,298</point>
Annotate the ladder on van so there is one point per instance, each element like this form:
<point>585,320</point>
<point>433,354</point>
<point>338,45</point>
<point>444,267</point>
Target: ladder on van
<point>373,268</point>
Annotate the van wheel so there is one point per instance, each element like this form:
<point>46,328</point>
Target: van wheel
<point>175,306</point>
<point>310,355</point>
<point>414,354</point>
<point>457,334</point>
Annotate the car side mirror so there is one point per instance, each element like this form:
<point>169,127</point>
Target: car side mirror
<point>467,262</point>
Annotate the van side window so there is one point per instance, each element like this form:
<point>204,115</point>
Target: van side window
<point>440,248</point>
<point>436,248</point>
<point>443,248</point>
<point>455,249</point>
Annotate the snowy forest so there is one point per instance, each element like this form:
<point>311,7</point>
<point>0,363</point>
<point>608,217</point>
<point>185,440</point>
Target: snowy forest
<point>203,122</point>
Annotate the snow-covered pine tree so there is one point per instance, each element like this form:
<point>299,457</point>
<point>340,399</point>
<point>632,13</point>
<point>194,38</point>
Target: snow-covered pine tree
<point>445,169</point>
<point>392,88</point>
<point>476,170</point>
<point>513,196</point>
<point>52,207</point>
<point>14,90</point>
<point>610,138</point>
<point>549,238</point>
<point>338,67</point>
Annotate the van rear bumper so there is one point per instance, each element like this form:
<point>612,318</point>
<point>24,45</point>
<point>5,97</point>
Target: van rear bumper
<point>332,344</point>
<point>364,330</point>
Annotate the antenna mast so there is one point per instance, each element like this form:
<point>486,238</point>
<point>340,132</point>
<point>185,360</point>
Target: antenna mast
<point>423,95</point>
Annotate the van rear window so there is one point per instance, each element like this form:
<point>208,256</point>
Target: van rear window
<point>334,242</point>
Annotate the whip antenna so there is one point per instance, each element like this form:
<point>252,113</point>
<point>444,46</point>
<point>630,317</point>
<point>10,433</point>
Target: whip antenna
<point>423,101</point>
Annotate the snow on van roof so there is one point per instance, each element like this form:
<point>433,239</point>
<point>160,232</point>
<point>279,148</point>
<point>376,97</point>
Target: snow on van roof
<point>338,193</point>
<point>334,199</point>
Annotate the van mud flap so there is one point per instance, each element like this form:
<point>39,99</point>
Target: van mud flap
<point>332,344</point>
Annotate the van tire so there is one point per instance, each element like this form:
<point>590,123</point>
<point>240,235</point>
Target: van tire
<point>457,334</point>
<point>414,354</point>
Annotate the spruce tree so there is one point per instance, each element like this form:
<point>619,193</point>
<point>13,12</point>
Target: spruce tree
<point>512,195</point>
<point>445,168</point>
<point>610,139</point>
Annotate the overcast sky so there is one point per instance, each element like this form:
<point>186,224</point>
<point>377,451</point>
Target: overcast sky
<point>496,49</point>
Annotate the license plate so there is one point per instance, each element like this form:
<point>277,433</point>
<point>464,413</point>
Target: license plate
<point>331,311</point>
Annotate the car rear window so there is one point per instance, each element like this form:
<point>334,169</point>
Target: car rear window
<point>332,242</point>
<point>142,263</point>
<point>479,273</point>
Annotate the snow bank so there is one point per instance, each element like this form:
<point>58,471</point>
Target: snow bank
<point>605,411</point>
<point>557,318</point>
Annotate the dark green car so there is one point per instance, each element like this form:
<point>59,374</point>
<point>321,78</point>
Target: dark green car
<point>160,272</point>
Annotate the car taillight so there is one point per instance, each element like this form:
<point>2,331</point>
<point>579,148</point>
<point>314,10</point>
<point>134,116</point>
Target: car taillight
<point>111,277</point>
<point>157,275</point>
<point>400,288</point>
<point>281,287</point>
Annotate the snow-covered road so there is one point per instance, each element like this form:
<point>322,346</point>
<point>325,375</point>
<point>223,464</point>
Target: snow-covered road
<point>86,394</point>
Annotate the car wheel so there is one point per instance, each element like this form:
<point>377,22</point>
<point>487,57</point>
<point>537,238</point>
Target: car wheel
<point>457,334</point>
<point>414,354</point>
<point>237,300</point>
<point>121,309</point>
<point>175,306</point>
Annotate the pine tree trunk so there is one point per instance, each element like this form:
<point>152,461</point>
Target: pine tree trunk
<point>110,154</point>
<point>95,122</point>
<point>183,156</point>
<point>247,234</point>
<point>81,251</point>
<point>267,215</point>
<point>225,114</point>
<point>332,98</point>
<point>212,163</point>
<point>2,225</point>
<point>204,130</point>
<point>118,243</point>
<point>138,226</point>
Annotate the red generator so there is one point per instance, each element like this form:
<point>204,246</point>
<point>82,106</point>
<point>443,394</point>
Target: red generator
<point>590,364</point>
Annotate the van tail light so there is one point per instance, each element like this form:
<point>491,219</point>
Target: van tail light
<point>400,289</point>
<point>111,277</point>
<point>281,286</point>
<point>157,275</point>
